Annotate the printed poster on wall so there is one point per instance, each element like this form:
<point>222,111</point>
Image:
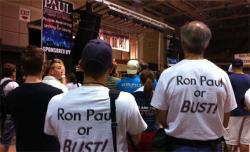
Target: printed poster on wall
<point>57,29</point>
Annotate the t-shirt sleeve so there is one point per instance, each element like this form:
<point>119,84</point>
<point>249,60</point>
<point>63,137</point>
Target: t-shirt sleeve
<point>158,100</point>
<point>230,103</point>
<point>135,124</point>
<point>10,86</point>
<point>247,99</point>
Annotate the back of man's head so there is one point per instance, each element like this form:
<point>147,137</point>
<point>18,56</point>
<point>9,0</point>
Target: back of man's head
<point>195,37</point>
<point>132,67</point>
<point>143,66</point>
<point>96,58</point>
<point>237,63</point>
<point>8,69</point>
<point>32,61</point>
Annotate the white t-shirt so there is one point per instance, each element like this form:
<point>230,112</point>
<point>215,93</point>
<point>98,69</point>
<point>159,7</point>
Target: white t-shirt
<point>196,94</point>
<point>50,80</point>
<point>140,89</point>
<point>247,99</point>
<point>81,119</point>
<point>10,86</point>
<point>72,85</point>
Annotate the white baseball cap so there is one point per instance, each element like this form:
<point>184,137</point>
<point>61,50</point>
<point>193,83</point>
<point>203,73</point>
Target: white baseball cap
<point>132,67</point>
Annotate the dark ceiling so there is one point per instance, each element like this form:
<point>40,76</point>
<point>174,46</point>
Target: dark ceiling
<point>228,19</point>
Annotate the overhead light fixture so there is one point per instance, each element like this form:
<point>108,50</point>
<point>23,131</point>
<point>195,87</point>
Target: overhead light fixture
<point>135,15</point>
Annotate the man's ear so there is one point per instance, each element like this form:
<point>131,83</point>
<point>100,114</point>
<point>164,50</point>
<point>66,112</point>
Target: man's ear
<point>206,44</point>
<point>111,68</point>
<point>80,66</point>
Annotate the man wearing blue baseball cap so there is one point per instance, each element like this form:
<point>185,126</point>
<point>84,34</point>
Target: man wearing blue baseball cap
<point>81,118</point>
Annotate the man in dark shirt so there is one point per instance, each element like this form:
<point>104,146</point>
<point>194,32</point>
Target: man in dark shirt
<point>238,127</point>
<point>28,104</point>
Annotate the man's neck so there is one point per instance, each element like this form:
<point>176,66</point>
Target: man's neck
<point>33,79</point>
<point>131,75</point>
<point>192,56</point>
<point>89,81</point>
<point>238,71</point>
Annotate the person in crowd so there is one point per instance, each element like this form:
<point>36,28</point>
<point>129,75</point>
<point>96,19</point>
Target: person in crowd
<point>131,82</point>
<point>28,103</point>
<point>194,97</point>
<point>143,66</point>
<point>8,84</point>
<point>239,122</point>
<point>112,78</point>
<point>72,81</point>
<point>55,74</point>
<point>143,97</point>
<point>81,120</point>
<point>63,77</point>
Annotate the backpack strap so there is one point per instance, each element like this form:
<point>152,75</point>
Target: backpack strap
<point>113,94</point>
<point>5,83</point>
<point>2,104</point>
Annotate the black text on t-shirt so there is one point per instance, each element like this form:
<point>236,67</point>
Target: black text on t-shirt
<point>198,106</point>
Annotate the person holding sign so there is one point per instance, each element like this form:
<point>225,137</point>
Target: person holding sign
<point>194,97</point>
<point>81,118</point>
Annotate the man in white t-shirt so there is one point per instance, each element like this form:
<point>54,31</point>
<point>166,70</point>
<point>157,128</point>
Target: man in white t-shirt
<point>194,97</point>
<point>81,118</point>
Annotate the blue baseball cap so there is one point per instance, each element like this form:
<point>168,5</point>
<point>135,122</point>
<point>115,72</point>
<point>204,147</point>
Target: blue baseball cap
<point>99,52</point>
<point>237,63</point>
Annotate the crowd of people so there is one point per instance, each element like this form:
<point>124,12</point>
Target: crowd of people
<point>199,106</point>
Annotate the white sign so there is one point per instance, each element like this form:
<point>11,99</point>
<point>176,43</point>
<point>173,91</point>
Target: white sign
<point>245,57</point>
<point>117,42</point>
<point>24,14</point>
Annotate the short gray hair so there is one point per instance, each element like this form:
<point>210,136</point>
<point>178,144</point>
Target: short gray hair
<point>195,36</point>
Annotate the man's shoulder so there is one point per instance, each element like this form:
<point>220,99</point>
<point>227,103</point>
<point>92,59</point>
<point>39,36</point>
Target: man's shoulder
<point>239,77</point>
<point>38,87</point>
<point>58,99</point>
<point>50,88</point>
<point>125,99</point>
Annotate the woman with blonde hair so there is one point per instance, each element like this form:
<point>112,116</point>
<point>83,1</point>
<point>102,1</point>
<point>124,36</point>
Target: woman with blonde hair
<point>55,74</point>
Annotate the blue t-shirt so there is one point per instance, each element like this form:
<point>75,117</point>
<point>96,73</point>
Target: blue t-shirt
<point>129,84</point>
<point>240,84</point>
<point>154,84</point>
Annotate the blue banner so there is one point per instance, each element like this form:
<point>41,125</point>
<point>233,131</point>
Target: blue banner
<point>57,27</point>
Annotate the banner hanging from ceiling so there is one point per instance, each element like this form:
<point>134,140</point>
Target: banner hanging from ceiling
<point>57,27</point>
<point>117,41</point>
<point>245,57</point>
